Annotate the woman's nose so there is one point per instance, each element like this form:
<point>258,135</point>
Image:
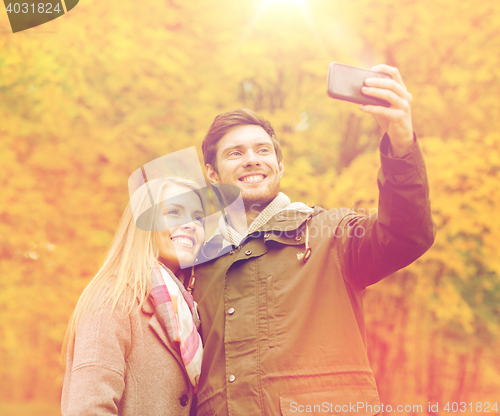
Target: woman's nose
<point>191,225</point>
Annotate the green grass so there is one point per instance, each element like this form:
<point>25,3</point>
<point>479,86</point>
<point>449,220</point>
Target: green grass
<point>30,409</point>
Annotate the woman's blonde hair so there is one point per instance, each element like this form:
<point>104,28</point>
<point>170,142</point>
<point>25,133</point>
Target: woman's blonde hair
<point>126,271</point>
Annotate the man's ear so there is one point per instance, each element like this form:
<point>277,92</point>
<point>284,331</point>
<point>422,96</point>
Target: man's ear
<point>281,168</point>
<point>212,175</point>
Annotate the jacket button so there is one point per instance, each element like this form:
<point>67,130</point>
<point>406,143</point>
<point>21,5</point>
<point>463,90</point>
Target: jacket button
<point>298,238</point>
<point>248,252</point>
<point>184,400</point>
<point>232,378</point>
<point>230,311</point>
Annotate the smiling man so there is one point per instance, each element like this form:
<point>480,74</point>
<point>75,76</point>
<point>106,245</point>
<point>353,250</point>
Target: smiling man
<point>258,177</point>
<point>258,185</point>
<point>281,300</point>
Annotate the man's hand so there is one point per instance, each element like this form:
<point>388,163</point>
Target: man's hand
<point>396,119</point>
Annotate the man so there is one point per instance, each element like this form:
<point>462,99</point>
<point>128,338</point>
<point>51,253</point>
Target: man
<point>281,301</point>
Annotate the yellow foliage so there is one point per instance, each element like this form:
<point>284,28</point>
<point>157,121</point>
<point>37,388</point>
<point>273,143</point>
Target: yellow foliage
<point>85,104</point>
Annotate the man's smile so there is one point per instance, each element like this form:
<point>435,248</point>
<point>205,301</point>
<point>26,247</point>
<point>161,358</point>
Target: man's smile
<point>253,177</point>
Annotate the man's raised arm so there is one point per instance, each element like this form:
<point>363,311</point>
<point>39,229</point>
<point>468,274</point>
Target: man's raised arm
<point>403,229</point>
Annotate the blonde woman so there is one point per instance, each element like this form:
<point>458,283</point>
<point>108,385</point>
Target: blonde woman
<point>132,347</point>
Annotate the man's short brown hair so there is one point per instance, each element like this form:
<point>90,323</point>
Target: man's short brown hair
<point>225,122</point>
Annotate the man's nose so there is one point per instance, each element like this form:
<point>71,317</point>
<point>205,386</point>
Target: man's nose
<point>251,159</point>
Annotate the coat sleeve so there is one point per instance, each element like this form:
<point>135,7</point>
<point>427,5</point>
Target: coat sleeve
<point>95,375</point>
<point>373,247</point>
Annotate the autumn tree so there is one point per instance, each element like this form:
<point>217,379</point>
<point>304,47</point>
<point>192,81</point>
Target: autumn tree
<point>89,97</point>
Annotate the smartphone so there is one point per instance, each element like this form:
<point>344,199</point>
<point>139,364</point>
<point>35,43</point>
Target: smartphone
<point>344,82</point>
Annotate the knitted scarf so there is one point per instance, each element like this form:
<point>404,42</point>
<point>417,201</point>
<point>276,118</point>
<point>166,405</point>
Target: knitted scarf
<point>235,238</point>
<point>176,312</point>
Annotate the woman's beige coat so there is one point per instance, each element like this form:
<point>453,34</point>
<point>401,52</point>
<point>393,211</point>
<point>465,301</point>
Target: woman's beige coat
<point>124,365</point>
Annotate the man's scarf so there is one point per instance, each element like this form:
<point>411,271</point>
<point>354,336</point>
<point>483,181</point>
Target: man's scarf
<point>235,238</point>
<point>176,312</point>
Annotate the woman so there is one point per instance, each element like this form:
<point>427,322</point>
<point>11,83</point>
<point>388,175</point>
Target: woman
<point>132,346</point>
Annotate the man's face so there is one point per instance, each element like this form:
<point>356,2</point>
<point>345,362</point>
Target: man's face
<point>246,158</point>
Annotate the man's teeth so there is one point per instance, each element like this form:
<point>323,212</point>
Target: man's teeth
<point>183,241</point>
<point>254,178</point>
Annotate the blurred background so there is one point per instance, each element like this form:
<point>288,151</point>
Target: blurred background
<point>88,98</point>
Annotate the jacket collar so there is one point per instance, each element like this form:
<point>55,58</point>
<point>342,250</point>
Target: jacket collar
<point>288,219</point>
<point>148,308</point>
<point>293,215</point>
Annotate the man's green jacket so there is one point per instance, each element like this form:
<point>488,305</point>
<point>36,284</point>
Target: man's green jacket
<point>284,336</point>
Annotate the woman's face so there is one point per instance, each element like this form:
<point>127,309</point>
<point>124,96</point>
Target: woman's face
<point>180,243</point>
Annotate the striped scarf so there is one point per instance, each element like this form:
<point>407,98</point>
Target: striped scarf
<point>176,312</point>
<point>235,238</point>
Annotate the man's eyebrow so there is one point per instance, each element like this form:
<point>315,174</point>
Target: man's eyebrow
<point>240,146</point>
<point>227,149</point>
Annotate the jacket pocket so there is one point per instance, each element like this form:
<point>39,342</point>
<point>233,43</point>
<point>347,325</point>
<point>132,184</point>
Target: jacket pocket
<point>271,325</point>
<point>342,400</point>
